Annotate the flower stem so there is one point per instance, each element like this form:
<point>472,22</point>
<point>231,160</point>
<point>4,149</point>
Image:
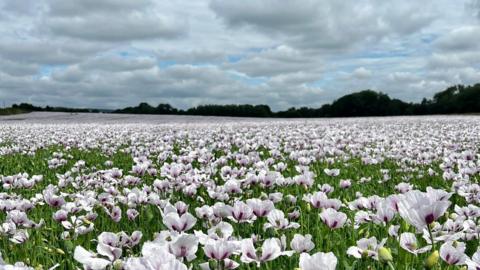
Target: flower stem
<point>431,237</point>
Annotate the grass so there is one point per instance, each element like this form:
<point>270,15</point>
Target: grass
<point>11,111</point>
<point>45,247</point>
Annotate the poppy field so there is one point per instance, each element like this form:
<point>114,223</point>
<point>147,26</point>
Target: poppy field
<point>358,193</point>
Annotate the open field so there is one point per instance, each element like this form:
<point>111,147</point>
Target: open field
<point>102,191</point>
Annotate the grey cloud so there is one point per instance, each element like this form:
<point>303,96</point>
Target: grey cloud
<point>73,8</point>
<point>459,75</point>
<point>330,25</point>
<point>18,69</point>
<point>182,85</point>
<point>47,52</point>
<point>115,28</point>
<point>267,14</point>
<point>117,63</point>
<point>456,49</point>
<point>194,56</point>
<point>403,77</point>
<point>460,39</point>
<point>474,7</point>
<point>276,61</point>
<point>21,8</point>
<point>71,74</point>
<point>116,53</point>
<point>294,79</point>
<point>112,21</point>
<point>453,59</point>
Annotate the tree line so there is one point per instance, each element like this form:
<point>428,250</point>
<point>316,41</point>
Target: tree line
<point>27,107</point>
<point>458,99</point>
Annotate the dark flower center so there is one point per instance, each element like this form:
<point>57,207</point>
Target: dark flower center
<point>429,218</point>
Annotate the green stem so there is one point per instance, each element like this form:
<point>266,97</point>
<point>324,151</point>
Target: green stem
<point>431,237</point>
<point>221,265</point>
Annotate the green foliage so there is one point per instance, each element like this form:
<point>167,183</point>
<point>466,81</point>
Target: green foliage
<point>145,108</point>
<point>454,100</point>
<point>48,248</point>
<point>10,111</point>
<point>232,110</point>
<point>26,107</point>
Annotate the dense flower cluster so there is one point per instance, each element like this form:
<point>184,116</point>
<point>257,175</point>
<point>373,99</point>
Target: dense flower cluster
<point>317,194</point>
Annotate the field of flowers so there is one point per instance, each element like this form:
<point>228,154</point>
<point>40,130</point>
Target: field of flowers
<point>366,193</point>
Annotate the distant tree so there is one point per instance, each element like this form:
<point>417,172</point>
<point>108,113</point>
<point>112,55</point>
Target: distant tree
<point>367,103</point>
<point>165,109</point>
<point>454,99</point>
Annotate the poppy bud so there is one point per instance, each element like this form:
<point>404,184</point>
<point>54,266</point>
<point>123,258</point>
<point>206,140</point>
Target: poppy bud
<point>213,264</point>
<point>432,260</point>
<point>385,254</point>
<point>118,264</point>
<point>86,221</point>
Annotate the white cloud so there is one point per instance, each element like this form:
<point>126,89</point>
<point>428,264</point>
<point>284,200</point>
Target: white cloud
<point>109,20</point>
<point>362,73</point>
<point>275,61</point>
<point>115,53</point>
<point>329,25</point>
<point>460,39</point>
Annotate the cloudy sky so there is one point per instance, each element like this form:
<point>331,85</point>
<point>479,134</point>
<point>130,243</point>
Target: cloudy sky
<point>116,53</point>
